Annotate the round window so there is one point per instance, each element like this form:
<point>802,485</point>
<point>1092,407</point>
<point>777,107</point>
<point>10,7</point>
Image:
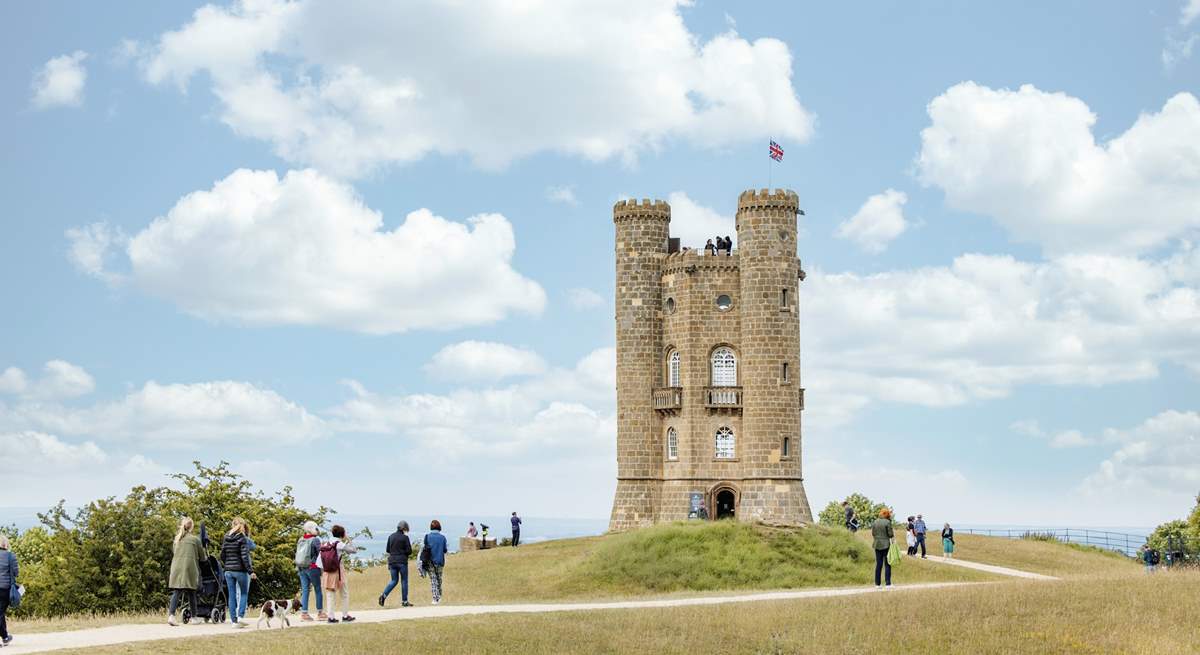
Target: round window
<point>670,305</point>
<point>724,302</point>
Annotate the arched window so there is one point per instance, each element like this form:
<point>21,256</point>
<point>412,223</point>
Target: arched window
<point>725,446</point>
<point>724,368</point>
<point>672,444</point>
<point>673,379</point>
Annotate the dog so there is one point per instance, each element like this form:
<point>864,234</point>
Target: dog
<point>278,608</point>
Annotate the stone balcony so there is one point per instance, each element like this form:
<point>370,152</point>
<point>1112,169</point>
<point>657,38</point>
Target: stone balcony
<point>723,397</point>
<point>668,398</point>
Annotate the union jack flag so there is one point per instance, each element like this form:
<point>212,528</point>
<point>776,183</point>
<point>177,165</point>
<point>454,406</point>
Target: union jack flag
<point>776,152</point>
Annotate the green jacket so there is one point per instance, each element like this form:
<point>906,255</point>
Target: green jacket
<point>185,563</point>
<point>881,529</point>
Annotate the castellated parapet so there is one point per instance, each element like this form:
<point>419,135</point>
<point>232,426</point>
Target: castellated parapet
<point>708,368</point>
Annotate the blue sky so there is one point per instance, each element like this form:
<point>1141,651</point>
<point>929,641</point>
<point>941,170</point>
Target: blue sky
<point>319,240</point>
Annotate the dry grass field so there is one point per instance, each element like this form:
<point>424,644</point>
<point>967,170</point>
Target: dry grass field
<point>1101,615</point>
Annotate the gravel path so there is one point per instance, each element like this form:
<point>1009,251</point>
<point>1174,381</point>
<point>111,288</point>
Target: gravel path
<point>123,634</point>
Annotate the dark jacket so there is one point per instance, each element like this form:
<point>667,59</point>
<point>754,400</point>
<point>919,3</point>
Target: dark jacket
<point>516,523</point>
<point>8,569</point>
<point>399,548</point>
<point>948,533</point>
<point>436,543</point>
<point>882,532</point>
<point>235,553</point>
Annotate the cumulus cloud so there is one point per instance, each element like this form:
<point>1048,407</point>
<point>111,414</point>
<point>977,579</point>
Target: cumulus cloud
<point>1161,455</point>
<point>60,81</point>
<point>59,379</point>
<point>944,336</point>
<point>562,409</point>
<point>562,194</point>
<point>473,361</point>
<point>305,250</point>
<point>583,299</point>
<point>174,415</point>
<point>1063,439</point>
<point>694,224</point>
<point>31,451</point>
<point>1029,159</point>
<point>877,223</point>
<point>92,247</point>
<point>348,87</point>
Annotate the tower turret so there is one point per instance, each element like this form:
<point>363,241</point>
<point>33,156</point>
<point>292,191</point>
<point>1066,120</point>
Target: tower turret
<point>770,357</point>
<point>642,230</point>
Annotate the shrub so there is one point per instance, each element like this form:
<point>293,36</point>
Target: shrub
<point>867,510</point>
<point>115,554</point>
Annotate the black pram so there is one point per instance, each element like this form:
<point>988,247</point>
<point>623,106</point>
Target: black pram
<point>212,592</point>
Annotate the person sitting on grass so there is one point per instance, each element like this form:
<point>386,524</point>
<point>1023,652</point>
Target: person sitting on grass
<point>882,535</point>
<point>947,541</point>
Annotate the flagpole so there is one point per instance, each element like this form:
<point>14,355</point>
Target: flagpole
<point>770,168</point>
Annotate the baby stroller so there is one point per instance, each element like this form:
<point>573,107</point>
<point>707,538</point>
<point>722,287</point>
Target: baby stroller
<point>213,601</point>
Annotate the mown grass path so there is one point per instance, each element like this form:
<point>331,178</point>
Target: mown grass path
<point>133,633</point>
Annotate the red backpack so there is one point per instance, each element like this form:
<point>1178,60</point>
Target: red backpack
<point>331,562</point>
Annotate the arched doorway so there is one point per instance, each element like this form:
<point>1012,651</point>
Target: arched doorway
<point>726,504</point>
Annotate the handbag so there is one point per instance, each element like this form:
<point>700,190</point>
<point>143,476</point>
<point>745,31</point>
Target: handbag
<point>893,556</point>
<point>15,593</point>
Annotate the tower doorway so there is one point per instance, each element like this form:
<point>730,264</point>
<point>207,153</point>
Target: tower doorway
<point>726,504</point>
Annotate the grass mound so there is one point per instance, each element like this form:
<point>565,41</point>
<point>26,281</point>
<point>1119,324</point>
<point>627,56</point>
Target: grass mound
<point>723,555</point>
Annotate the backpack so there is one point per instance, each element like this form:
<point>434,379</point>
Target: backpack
<point>1155,558</point>
<point>331,561</point>
<point>426,557</point>
<point>304,553</point>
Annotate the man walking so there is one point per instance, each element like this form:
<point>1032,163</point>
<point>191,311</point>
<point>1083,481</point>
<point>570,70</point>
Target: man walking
<point>399,549</point>
<point>919,528</point>
<point>851,522</point>
<point>516,527</point>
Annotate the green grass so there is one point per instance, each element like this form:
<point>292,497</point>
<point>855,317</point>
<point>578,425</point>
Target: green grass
<point>1050,557</point>
<point>1085,616</point>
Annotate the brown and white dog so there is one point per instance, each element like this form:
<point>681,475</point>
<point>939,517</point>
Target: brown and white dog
<point>278,608</point>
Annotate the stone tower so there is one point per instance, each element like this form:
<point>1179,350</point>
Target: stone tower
<point>708,368</point>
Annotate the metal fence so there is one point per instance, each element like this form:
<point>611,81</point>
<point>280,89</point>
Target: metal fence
<point>1121,542</point>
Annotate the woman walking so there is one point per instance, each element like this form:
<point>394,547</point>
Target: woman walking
<point>239,570</point>
<point>947,541</point>
<point>882,534</point>
<point>185,570</point>
<point>333,573</point>
<point>308,549</point>
<point>434,554</point>
<point>910,536</point>
<point>8,580</point>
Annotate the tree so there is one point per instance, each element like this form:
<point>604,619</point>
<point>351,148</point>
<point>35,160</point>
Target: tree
<point>834,514</point>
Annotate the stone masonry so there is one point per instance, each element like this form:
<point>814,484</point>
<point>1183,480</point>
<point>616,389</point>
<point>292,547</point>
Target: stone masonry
<point>667,305</point>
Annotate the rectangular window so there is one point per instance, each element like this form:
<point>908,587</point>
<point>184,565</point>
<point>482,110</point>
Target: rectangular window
<point>672,444</point>
<point>786,451</point>
<point>783,299</point>
<point>783,374</point>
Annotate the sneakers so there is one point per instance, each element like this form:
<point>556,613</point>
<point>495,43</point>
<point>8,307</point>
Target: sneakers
<point>406,604</point>
<point>382,598</point>
<point>347,619</point>
<point>331,620</point>
<point>7,640</point>
<point>437,601</point>
<point>171,619</point>
<point>321,615</point>
<point>305,616</point>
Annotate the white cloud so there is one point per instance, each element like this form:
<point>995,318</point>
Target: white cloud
<point>1029,159</point>
<point>583,299</point>
<point>140,465</point>
<point>305,250</point>
<point>13,380</point>
<point>943,336</point>
<point>91,248</point>
<point>59,379</point>
<point>60,82</point>
<point>694,224</point>
<point>37,452</point>
<point>562,194</point>
<point>561,409</point>
<point>1063,439</point>
<point>878,222</point>
<point>176,415</point>
<point>1189,12</point>
<point>1177,50</point>
<point>473,361</point>
<point>1161,456</point>
<point>348,87</point>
